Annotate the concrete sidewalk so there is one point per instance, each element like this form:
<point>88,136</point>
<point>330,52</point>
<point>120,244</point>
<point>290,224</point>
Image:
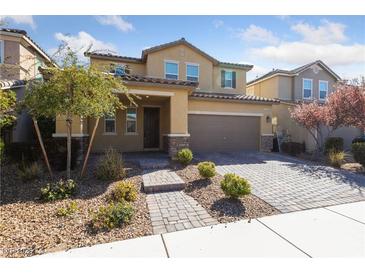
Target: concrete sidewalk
<point>336,231</point>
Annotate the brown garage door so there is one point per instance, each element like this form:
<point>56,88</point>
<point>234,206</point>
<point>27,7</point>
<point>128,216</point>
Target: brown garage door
<point>221,133</point>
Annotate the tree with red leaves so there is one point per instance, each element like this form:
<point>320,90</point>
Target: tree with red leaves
<point>345,107</point>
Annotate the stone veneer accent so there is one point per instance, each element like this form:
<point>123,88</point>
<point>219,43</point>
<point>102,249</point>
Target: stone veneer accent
<point>172,144</point>
<point>266,143</point>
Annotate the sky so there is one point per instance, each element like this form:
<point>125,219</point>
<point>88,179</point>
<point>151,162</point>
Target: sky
<point>267,42</point>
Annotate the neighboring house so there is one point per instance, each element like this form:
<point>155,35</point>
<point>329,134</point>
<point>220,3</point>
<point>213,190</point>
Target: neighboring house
<point>20,58</point>
<point>313,81</point>
<point>186,99</point>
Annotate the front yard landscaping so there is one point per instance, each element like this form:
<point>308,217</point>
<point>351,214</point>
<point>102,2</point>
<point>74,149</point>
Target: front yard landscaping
<point>209,194</point>
<point>30,226</point>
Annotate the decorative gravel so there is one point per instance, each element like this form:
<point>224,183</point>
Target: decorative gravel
<point>29,226</point>
<point>209,194</point>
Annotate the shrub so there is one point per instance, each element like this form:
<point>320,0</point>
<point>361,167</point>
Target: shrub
<point>111,166</point>
<point>359,140</point>
<point>234,186</point>
<point>30,172</point>
<point>184,156</point>
<point>22,151</point>
<point>206,169</point>
<point>111,216</point>
<point>70,209</point>
<point>2,145</point>
<point>60,190</point>
<point>335,158</point>
<point>292,148</point>
<point>333,144</point>
<point>358,150</point>
<point>124,191</point>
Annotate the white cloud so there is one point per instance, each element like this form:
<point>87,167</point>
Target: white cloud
<point>115,21</point>
<point>326,33</point>
<point>258,34</point>
<point>302,53</point>
<point>218,23</point>
<point>20,19</point>
<point>81,42</point>
<point>256,71</point>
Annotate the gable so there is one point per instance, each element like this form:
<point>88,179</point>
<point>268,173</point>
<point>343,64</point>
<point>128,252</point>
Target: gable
<point>317,72</point>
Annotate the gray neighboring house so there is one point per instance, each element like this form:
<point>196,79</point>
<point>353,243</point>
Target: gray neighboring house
<point>20,58</point>
<point>313,81</point>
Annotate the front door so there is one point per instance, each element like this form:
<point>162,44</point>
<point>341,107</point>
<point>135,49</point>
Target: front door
<point>151,127</point>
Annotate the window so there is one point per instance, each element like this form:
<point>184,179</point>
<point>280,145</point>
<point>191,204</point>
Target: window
<point>307,88</point>
<point>119,70</point>
<point>228,79</point>
<point>171,70</point>
<point>323,89</point>
<point>109,124</point>
<point>1,51</point>
<point>131,120</point>
<point>192,72</point>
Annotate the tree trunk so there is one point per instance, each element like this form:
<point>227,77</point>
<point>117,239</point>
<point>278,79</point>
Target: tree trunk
<point>69,135</point>
<point>89,147</point>
<point>35,122</point>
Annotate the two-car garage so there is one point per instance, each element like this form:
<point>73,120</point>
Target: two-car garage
<point>217,132</point>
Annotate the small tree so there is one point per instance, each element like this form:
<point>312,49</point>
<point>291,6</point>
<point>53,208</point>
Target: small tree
<point>7,107</point>
<point>310,116</point>
<point>75,90</point>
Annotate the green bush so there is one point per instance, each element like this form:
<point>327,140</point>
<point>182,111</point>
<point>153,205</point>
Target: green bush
<point>111,216</point>
<point>234,186</point>
<point>184,156</point>
<point>60,190</point>
<point>70,209</point>
<point>2,146</point>
<point>111,166</point>
<point>358,150</point>
<point>335,158</point>
<point>30,172</point>
<point>333,144</point>
<point>206,169</point>
<point>124,191</point>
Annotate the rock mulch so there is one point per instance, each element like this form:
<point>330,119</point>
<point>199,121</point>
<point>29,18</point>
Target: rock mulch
<point>29,226</point>
<point>209,194</point>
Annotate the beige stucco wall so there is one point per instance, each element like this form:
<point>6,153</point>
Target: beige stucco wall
<point>104,64</point>
<point>284,88</point>
<point>215,106</point>
<point>268,88</point>
<point>309,74</point>
<point>240,80</point>
<point>155,66</point>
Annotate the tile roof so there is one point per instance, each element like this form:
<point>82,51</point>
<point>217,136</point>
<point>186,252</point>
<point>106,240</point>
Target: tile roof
<point>295,71</point>
<point>23,32</point>
<point>8,84</point>
<point>181,41</point>
<point>238,97</point>
<point>153,80</point>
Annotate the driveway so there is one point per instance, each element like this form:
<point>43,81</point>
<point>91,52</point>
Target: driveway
<point>291,184</point>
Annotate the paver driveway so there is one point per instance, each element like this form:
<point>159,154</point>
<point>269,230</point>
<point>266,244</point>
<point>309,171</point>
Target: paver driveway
<point>291,184</point>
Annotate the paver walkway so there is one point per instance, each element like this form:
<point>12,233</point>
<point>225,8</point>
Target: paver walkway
<point>170,209</point>
<point>174,211</point>
<point>291,184</point>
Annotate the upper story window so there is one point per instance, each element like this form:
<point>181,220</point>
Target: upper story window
<point>307,88</point>
<point>2,52</point>
<point>171,70</point>
<point>228,79</point>
<point>131,120</point>
<point>118,69</point>
<point>323,89</point>
<point>109,124</point>
<point>192,72</point>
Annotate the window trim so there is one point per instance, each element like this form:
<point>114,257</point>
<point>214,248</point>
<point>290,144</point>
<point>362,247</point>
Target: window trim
<point>319,90</point>
<point>115,125</point>
<point>2,51</point>
<point>186,71</point>
<point>174,62</point>
<point>311,96</point>
<point>231,72</point>
<point>126,119</point>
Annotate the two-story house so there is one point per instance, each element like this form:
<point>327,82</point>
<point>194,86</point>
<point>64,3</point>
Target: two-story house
<point>187,98</point>
<point>20,58</point>
<point>313,81</point>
